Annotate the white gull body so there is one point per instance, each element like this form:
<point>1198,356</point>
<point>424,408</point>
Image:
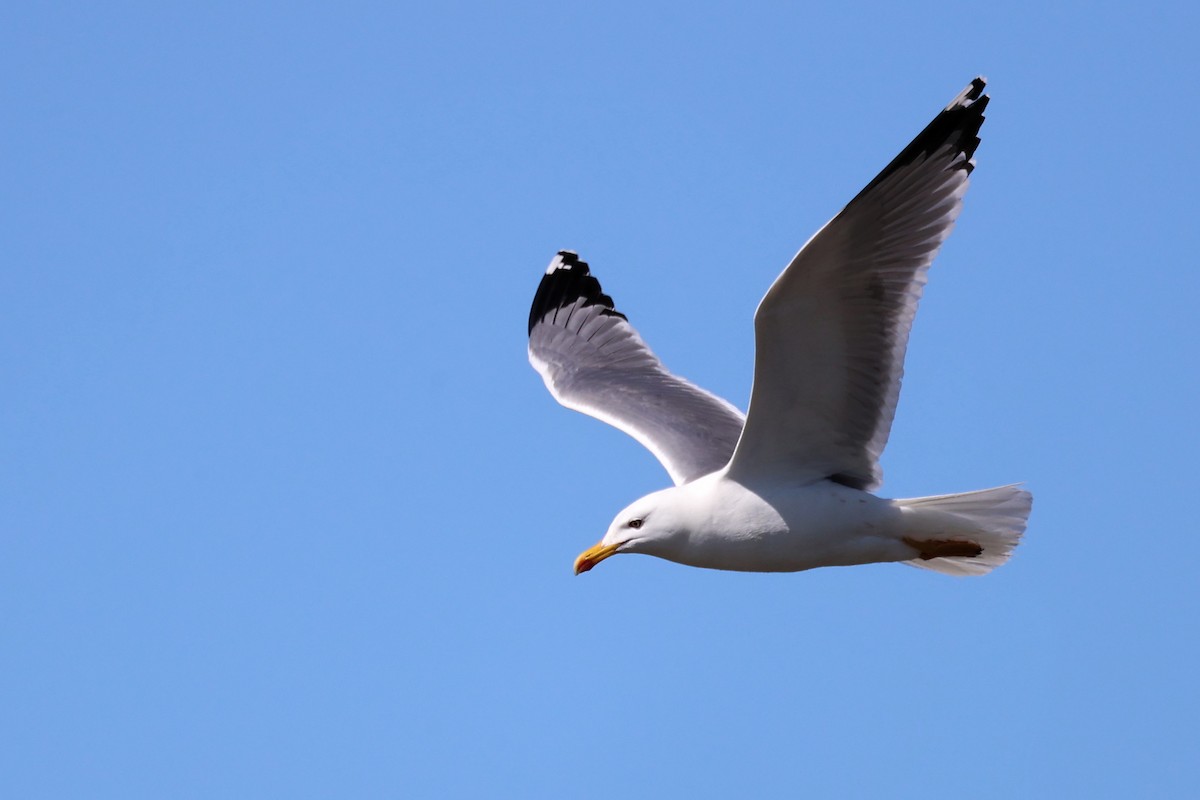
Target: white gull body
<point>787,487</point>
<point>718,523</point>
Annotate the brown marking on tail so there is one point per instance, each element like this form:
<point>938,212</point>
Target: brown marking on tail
<point>943,548</point>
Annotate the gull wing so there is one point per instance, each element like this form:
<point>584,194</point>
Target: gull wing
<point>593,361</point>
<point>832,330</point>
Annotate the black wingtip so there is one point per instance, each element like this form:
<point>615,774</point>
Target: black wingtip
<point>958,124</point>
<point>568,279</point>
<point>970,94</point>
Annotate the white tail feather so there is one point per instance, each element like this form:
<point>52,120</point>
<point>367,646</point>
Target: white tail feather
<point>992,518</point>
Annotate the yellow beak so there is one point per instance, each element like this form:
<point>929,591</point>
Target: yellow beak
<point>593,556</point>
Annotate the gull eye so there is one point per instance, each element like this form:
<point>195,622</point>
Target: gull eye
<point>634,523</point>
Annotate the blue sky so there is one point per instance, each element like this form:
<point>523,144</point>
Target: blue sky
<point>285,512</point>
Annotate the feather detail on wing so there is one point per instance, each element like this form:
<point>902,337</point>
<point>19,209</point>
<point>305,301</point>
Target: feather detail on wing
<point>593,361</point>
<point>831,332</point>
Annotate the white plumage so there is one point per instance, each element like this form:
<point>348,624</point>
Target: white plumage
<point>785,488</point>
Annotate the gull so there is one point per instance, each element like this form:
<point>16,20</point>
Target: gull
<point>788,486</point>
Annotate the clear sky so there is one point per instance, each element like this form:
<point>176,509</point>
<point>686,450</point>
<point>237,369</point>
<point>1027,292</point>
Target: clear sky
<point>284,511</point>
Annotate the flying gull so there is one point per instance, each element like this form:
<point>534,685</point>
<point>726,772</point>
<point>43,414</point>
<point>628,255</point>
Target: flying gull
<point>787,487</point>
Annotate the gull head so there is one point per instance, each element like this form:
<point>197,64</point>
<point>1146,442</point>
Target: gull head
<point>649,525</point>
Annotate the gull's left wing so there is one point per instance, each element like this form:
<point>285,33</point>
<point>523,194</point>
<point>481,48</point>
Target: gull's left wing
<point>831,332</point>
<point>593,361</point>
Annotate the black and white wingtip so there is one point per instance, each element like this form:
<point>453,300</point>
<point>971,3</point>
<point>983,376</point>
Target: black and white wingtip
<point>956,126</point>
<point>959,122</point>
<point>567,280</point>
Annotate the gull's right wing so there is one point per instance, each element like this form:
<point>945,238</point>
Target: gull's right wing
<point>593,361</point>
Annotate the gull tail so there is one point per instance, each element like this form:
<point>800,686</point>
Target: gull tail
<point>966,534</point>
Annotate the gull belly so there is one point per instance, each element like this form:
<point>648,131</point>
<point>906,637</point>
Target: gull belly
<point>772,526</point>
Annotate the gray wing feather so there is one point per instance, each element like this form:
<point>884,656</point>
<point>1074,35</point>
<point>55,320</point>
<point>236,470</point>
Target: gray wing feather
<point>593,361</point>
<point>831,332</point>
